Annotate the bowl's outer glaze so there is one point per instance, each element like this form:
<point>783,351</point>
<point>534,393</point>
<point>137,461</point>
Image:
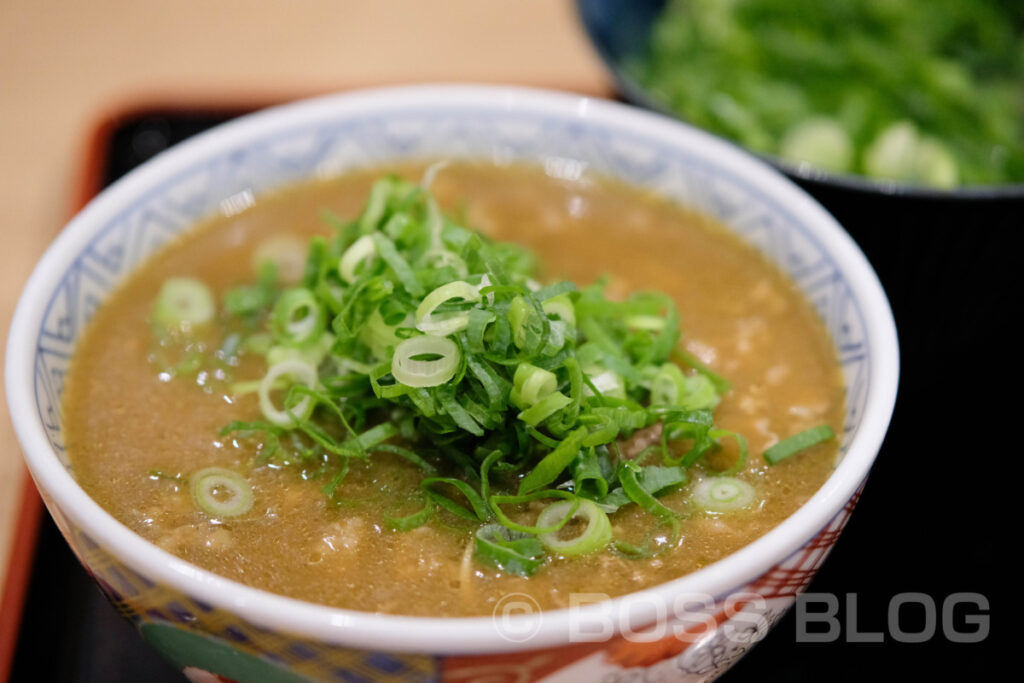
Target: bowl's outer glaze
<point>197,619</point>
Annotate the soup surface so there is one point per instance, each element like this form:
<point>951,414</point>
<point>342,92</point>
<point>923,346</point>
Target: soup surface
<point>135,433</point>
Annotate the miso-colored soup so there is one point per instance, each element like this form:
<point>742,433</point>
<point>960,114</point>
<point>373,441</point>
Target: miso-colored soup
<point>145,412</point>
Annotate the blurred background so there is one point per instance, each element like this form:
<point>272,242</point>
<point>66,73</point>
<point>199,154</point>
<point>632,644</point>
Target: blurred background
<point>77,77</point>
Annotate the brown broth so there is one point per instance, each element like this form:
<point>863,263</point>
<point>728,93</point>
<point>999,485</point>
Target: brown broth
<point>740,315</point>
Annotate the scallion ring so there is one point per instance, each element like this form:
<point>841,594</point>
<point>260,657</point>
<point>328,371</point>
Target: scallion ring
<point>596,535</point>
<point>425,361</point>
<point>562,308</point>
<point>439,258</point>
<point>286,252</point>
<point>362,251</point>
<point>444,325</point>
<point>606,382</point>
<point>668,386</point>
<point>220,492</point>
<point>723,494</point>
<point>530,384</point>
<point>544,408</point>
<point>298,317</point>
<point>299,371</point>
<point>184,302</point>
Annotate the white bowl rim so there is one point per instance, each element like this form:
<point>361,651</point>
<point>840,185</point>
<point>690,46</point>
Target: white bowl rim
<point>443,635</point>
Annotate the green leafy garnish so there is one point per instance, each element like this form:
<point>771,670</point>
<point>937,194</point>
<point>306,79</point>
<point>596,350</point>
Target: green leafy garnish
<point>798,442</point>
<point>511,551</point>
<point>929,93</point>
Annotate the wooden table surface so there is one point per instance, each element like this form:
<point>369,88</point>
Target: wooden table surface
<point>65,64</point>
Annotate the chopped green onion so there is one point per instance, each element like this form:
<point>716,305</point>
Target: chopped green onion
<point>450,323</point>
<point>901,153</point>
<point>798,442</point>
<point>723,494</point>
<point>884,88</point>
<point>820,141</point>
<point>638,494</point>
<point>220,492</point>
<point>478,508</point>
<point>298,317</point>
<point>604,383</point>
<point>313,352</point>
<point>595,536</point>
<point>425,361</point>
<point>671,387</point>
<point>286,253</point>
<point>651,323</point>
<point>530,384</point>
<point>527,324</point>
<point>361,252</point>
<point>554,463</point>
<point>184,302</point>
<point>509,551</point>
<point>721,384</point>
<point>380,337</point>
<point>741,445</point>
<point>298,371</point>
<point>411,521</point>
<point>668,386</point>
<point>544,408</point>
<point>653,544</point>
<point>495,503</point>
<point>561,307</point>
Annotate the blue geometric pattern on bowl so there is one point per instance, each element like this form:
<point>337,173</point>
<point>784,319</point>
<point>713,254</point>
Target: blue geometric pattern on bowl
<point>350,141</point>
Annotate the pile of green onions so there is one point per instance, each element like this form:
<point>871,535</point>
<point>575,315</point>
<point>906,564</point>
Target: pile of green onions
<point>926,93</point>
<point>411,335</point>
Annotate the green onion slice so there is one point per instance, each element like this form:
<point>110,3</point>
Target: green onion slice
<point>411,521</point>
<point>450,323</point>
<point>361,252</point>
<point>425,361</point>
<point>544,408</point>
<point>530,384</point>
<point>495,503</point>
<point>184,302</point>
<point>508,551</point>
<point>654,544</point>
<point>561,307</point>
<point>723,494</point>
<point>604,383</point>
<point>668,386</point>
<point>220,492</point>
<point>554,463</point>
<point>477,511</point>
<point>286,253</point>
<point>595,536</point>
<point>798,442</point>
<point>300,372</point>
<point>298,317</point>
<point>632,487</point>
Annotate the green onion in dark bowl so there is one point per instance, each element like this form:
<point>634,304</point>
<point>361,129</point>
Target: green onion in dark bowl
<point>939,114</point>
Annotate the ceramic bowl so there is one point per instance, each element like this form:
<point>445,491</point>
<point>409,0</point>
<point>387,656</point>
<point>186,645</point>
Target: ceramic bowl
<point>696,625</point>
